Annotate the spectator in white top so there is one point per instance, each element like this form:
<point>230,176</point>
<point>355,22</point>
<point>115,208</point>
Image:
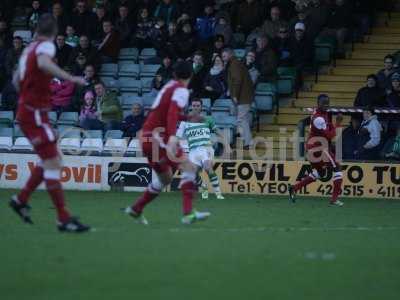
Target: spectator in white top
<point>369,136</point>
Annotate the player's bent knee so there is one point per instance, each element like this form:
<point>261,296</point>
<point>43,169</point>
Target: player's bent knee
<point>337,176</point>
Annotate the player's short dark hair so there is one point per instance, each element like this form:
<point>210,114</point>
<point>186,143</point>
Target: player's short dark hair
<point>47,25</point>
<point>389,56</point>
<point>197,100</point>
<point>182,70</point>
<point>322,97</point>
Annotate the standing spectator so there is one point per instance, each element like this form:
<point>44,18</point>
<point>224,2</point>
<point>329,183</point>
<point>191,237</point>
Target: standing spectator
<point>393,99</point>
<point>5,34</point>
<point>266,59</point>
<point>134,122</point>
<point>165,70</point>
<point>61,94</point>
<point>143,29</point>
<point>71,38</point>
<point>63,51</point>
<point>186,43</point>
<point>13,56</point>
<point>249,16</point>
<point>83,20</point>
<point>384,75</point>
<point>33,17</point>
<point>370,95</point>
<point>271,27</point>
<point>110,45</point>
<point>62,19</point>
<point>166,10</point>
<point>90,53</point>
<point>108,108</point>
<point>224,28</point>
<point>369,136</point>
<point>214,82</point>
<point>241,90</point>
<point>199,73</point>
<point>124,26</point>
<point>205,25</point>
<point>251,66</point>
<point>88,112</point>
<point>338,24</point>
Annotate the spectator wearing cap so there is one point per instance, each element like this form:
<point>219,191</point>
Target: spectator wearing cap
<point>13,55</point>
<point>369,136</point>
<point>302,17</point>
<point>134,122</point>
<point>166,10</point>
<point>241,90</point>
<point>249,16</point>
<point>393,99</point>
<point>63,51</point>
<point>271,26</point>
<point>110,45</point>
<point>371,94</point>
<point>224,28</point>
<point>384,75</point>
<point>87,50</point>
<point>266,59</point>
<point>301,51</point>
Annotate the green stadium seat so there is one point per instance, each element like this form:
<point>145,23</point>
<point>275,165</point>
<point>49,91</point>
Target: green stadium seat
<point>93,134</point>
<point>286,81</point>
<point>68,118</point>
<point>7,117</point>
<point>128,70</point>
<point>147,53</point>
<point>265,88</point>
<point>146,85</point>
<point>6,132</point>
<point>148,70</point>
<point>109,70</point>
<point>128,101</point>
<point>130,54</point>
<point>6,143</point>
<point>113,134</point>
<point>129,85</point>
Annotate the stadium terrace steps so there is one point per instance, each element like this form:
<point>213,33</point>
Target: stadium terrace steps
<point>341,83</point>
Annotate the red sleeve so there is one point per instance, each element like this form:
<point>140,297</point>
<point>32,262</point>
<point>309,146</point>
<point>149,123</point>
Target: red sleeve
<point>330,132</point>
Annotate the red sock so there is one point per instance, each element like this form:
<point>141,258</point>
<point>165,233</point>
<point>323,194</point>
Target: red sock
<point>188,190</point>
<point>337,189</point>
<point>33,182</point>
<point>55,190</point>
<point>304,182</point>
<point>149,195</point>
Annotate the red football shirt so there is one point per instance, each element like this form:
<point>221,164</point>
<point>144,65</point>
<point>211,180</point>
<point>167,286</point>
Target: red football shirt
<point>321,126</point>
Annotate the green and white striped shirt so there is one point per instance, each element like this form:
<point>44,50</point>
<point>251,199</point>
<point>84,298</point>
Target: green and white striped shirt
<point>197,134</point>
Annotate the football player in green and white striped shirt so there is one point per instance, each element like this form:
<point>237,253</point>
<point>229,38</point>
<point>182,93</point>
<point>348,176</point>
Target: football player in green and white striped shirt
<point>197,130</point>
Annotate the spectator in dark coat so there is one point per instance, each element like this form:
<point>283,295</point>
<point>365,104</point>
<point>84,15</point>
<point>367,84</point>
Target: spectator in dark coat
<point>281,44</point>
<point>350,139</point>
<point>165,70</point>
<point>384,75</point>
<point>158,35</point>
<point>224,28</point>
<point>171,41</point>
<point>9,97</point>
<point>134,122</point>
<point>199,73</point>
<point>100,16</point>
<point>110,45</point>
<point>370,95</point>
<point>84,48</point>
<point>124,26</point>
<point>214,85</point>
<point>249,16</point>
<point>266,59</point>
<point>13,56</point>
<point>62,19</point>
<point>318,15</point>
<point>144,27</point>
<point>34,15</point>
<point>215,49</point>
<point>5,34</point>
<point>63,51</point>
<point>166,10</point>
<point>83,20</point>
<point>205,25</point>
<point>393,99</point>
<point>3,54</point>
<point>186,43</point>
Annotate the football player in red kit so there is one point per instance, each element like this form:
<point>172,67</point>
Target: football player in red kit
<point>35,71</point>
<point>319,151</point>
<point>161,146</point>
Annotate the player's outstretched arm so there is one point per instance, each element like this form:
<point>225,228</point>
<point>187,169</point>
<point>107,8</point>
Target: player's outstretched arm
<point>46,64</point>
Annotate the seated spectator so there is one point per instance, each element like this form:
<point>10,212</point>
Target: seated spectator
<point>124,26</point>
<point>108,108</point>
<point>302,17</point>
<point>156,85</point>
<point>370,95</point>
<point>281,44</point>
<point>71,39</point>
<point>250,64</point>
<point>34,15</point>
<point>3,54</point>
<point>224,28</point>
<point>393,99</point>
<point>171,40</point>
<point>13,55</point>
<point>134,122</point>
<point>91,78</point>
<point>63,51</point>
<point>392,147</point>
<point>58,14</point>
<point>266,59</point>
<point>214,86</point>
<point>85,49</point>
<point>271,26</point>
<point>100,16</point>
<point>165,70</point>
<point>144,26</point>
<point>384,75</point>
<point>110,45</point>
<point>249,15</point>
<point>79,66</point>
<point>205,25</point>
<point>88,111</point>
<point>166,10</point>
<point>369,136</point>
<point>338,24</point>
<point>216,49</point>
<point>83,19</point>
<point>350,139</point>
<point>158,35</point>
<point>186,42</point>
<point>199,73</point>
<point>61,94</point>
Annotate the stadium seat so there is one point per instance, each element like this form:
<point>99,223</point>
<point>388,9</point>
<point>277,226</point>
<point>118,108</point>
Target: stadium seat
<point>69,132</point>
<point>113,134</point>
<point>94,134</point>
<point>148,70</point>
<point>146,85</point>
<point>26,35</point>
<point>286,80</point>
<point>240,53</point>
<point>206,103</point>
<point>116,145</point>
<point>22,143</point>
<point>6,132</point>
<point>218,115</point>
<point>223,105</point>
<point>129,85</point>
<point>110,82</point>
<point>18,132</point>
<point>324,52</point>
<point>53,117</point>
<point>265,88</point>
<point>134,147</point>
<point>92,144</point>
<point>128,70</point>
<point>131,54</point>
<point>7,117</point>
<point>227,120</point>
<point>263,103</point>
<point>128,101</point>
<point>147,53</point>
<point>6,143</point>
<point>68,118</point>
<point>70,144</point>
<point>109,70</point>
<point>148,100</point>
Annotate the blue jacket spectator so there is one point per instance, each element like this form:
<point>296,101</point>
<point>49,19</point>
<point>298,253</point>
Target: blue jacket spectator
<point>205,25</point>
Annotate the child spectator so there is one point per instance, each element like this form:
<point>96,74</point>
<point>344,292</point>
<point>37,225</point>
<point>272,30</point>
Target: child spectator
<point>88,111</point>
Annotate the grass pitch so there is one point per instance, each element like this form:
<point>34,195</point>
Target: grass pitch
<point>251,248</point>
